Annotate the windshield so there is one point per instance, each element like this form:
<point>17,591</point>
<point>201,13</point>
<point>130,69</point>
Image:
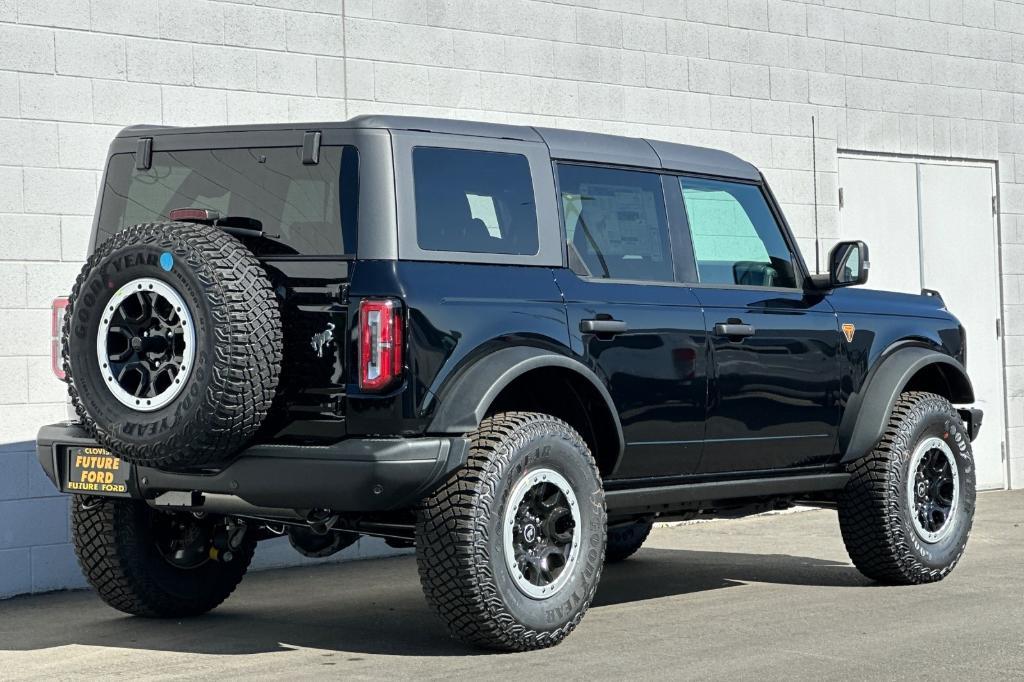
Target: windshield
<point>304,209</point>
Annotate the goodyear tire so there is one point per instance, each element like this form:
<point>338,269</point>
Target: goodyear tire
<point>510,549</point>
<point>625,539</point>
<point>152,563</point>
<point>907,510</point>
<point>172,345</point>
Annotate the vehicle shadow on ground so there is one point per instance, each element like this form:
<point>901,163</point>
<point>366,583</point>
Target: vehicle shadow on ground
<point>374,607</point>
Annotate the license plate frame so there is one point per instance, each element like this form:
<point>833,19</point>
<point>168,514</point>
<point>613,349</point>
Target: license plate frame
<point>92,470</point>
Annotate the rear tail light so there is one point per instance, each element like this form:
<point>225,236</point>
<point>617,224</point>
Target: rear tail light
<point>380,343</point>
<point>57,310</point>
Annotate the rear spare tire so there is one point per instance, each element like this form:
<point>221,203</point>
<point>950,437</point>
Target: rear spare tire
<point>172,344</point>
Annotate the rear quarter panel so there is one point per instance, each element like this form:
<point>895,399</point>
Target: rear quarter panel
<point>456,313</point>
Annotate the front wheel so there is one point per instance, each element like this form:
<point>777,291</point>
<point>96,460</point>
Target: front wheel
<point>907,510</point>
<point>154,563</point>
<point>510,548</point>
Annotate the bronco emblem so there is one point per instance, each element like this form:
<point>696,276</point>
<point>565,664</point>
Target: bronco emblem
<point>322,339</point>
<point>848,330</point>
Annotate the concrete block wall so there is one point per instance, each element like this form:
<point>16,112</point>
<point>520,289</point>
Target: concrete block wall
<point>923,77</point>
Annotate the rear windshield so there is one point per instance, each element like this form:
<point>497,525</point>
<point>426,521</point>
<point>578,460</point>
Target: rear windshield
<point>304,209</point>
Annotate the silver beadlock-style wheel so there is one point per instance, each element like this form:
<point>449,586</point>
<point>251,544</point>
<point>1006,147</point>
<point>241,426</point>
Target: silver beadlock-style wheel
<point>145,344</point>
<point>511,546</point>
<point>932,489</point>
<point>540,538</point>
<point>906,511</point>
<point>172,345</point>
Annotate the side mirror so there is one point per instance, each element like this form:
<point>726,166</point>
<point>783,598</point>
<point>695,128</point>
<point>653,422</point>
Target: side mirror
<point>848,264</point>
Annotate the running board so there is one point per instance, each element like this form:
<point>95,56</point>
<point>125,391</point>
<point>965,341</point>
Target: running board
<point>665,498</point>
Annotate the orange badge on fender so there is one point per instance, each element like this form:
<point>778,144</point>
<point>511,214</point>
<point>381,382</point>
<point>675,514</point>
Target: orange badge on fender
<point>848,330</point>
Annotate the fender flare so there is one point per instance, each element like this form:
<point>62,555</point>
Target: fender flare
<point>867,412</point>
<point>466,397</point>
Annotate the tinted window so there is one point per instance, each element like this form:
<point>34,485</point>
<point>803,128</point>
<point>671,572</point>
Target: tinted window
<point>303,209</point>
<point>474,201</point>
<point>615,222</point>
<point>735,237</point>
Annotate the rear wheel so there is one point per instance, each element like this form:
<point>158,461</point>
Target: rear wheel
<point>510,548</point>
<point>625,539</point>
<point>907,510</point>
<point>154,563</point>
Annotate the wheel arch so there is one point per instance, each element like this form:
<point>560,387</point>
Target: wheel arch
<point>909,368</point>
<point>534,379</point>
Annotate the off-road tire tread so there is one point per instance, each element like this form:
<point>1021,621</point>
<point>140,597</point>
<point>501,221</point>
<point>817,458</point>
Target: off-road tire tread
<point>868,506</point>
<point>452,538</point>
<point>247,361</point>
<point>110,554</point>
<point>616,551</point>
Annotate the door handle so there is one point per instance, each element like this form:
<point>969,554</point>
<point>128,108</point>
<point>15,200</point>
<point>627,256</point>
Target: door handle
<point>603,326</point>
<point>733,330</point>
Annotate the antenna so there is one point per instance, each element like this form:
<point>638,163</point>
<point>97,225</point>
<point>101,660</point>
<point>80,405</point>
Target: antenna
<point>814,173</point>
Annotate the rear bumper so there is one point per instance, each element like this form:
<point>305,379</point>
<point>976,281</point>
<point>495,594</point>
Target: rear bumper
<point>354,475</point>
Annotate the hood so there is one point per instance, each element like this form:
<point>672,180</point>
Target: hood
<point>873,302</point>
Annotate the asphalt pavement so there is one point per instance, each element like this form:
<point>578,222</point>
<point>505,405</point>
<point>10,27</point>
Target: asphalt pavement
<point>767,597</point>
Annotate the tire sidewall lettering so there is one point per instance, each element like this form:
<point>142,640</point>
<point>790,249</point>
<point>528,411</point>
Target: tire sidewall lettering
<point>933,420</point>
<point>552,612</point>
<point>113,271</point>
<point>169,434</point>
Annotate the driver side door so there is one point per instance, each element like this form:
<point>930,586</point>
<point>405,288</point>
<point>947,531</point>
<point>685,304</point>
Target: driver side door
<point>773,395</point>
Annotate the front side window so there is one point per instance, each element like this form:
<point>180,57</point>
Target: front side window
<point>474,201</point>
<point>615,222</point>
<point>303,209</point>
<point>736,239</point>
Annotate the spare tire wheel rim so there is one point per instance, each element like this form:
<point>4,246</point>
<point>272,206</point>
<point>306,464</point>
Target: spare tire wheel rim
<point>933,489</point>
<point>541,531</point>
<point>145,344</point>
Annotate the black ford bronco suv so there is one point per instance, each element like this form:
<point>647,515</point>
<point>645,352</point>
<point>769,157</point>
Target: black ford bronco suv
<point>513,348</point>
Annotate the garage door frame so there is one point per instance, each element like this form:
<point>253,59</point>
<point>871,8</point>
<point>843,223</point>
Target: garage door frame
<point>993,165</point>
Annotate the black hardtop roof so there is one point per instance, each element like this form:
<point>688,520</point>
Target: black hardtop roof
<point>570,145</point>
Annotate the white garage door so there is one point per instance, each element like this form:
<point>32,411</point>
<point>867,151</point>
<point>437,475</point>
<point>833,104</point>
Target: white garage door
<point>930,225</point>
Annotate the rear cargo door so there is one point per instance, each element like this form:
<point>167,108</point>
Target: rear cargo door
<point>293,202</point>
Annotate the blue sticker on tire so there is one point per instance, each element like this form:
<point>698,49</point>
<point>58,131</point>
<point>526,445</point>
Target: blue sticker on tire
<point>166,261</point>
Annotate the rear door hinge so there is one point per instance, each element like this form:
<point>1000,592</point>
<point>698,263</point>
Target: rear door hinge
<point>995,204</point>
<point>340,293</point>
<point>144,153</point>
<point>840,197</point>
<point>311,148</point>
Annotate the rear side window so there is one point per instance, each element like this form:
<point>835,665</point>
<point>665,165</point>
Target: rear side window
<point>736,239</point>
<point>615,222</point>
<point>474,201</point>
<point>304,209</point>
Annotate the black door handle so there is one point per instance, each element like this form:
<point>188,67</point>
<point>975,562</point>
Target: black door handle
<point>733,330</point>
<point>603,326</point>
